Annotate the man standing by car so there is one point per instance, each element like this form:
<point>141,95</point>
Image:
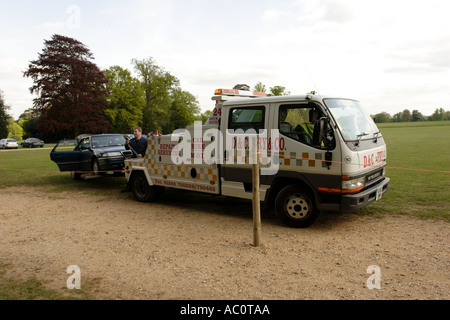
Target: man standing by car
<point>138,144</point>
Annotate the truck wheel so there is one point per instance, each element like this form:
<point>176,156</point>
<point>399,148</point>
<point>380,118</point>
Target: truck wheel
<point>142,191</point>
<point>296,207</point>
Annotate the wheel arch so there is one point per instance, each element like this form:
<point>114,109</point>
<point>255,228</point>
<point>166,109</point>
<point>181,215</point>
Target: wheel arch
<point>94,159</point>
<point>143,171</point>
<point>283,181</point>
<point>144,191</point>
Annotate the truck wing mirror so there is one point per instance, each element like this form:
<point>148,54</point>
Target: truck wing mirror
<point>323,136</point>
<point>320,138</point>
<point>319,132</point>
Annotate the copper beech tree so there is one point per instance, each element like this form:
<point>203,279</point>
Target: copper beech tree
<point>70,88</point>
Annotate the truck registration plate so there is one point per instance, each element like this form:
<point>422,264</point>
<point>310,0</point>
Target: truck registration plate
<point>379,193</point>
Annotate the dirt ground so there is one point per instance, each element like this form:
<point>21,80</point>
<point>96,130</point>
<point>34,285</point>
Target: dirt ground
<point>191,247</point>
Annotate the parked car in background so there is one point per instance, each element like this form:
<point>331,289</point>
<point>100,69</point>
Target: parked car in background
<point>8,144</point>
<point>93,154</point>
<point>33,143</point>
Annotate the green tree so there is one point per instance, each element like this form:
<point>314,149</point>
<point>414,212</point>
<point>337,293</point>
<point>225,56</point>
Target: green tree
<point>397,117</point>
<point>182,111</point>
<point>203,117</point>
<point>439,115</point>
<point>382,117</point>
<point>15,130</point>
<point>260,87</point>
<point>70,88</point>
<point>4,117</point>
<point>274,91</point>
<point>125,98</point>
<point>406,116</point>
<point>157,84</point>
<point>29,121</point>
<point>278,91</point>
<point>417,116</point>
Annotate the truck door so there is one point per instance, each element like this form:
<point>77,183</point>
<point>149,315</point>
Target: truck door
<point>315,163</point>
<point>241,126</point>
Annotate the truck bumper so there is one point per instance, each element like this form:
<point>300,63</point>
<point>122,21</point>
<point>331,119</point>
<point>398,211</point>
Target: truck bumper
<point>364,198</point>
<point>358,200</point>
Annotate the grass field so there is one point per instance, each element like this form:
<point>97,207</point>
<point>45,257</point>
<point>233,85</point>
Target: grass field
<point>419,168</point>
<point>418,165</point>
<point>33,167</point>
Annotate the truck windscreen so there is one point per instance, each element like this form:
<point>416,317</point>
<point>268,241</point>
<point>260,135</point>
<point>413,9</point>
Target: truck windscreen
<point>353,121</point>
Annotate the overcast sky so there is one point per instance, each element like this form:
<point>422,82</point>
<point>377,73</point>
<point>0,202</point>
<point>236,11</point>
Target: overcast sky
<point>389,54</point>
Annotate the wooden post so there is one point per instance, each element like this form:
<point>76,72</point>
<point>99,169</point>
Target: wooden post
<point>256,200</point>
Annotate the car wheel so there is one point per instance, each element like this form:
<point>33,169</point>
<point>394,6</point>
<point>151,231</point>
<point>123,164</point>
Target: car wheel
<point>75,175</point>
<point>295,207</point>
<point>95,167</point>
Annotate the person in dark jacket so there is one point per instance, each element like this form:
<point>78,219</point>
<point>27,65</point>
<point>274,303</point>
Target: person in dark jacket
<point>138,144</point>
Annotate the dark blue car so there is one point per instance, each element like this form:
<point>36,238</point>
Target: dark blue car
<point>93,155</point>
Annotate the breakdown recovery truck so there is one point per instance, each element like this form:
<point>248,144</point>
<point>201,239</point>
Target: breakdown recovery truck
<point>316,154</point>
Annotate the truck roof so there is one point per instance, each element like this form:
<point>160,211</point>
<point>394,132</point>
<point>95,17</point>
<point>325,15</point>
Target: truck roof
<point>288,98</point>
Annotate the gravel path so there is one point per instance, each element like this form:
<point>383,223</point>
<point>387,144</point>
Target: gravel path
<point>183,248</point>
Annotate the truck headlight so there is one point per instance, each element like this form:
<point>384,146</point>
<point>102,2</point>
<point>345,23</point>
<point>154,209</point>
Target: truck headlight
<point>353,185</point>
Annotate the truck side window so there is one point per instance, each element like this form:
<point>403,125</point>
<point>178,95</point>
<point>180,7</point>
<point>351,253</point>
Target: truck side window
<point>247,118</point>
<point>297,122</point>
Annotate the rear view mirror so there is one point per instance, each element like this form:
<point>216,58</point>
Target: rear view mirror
<point>323,136</point>
<point>319,131</point>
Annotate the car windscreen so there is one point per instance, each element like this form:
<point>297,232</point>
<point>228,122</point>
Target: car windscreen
<point>107,141</point>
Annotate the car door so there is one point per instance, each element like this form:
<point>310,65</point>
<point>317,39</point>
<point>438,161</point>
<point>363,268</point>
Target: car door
<point>67,160</point>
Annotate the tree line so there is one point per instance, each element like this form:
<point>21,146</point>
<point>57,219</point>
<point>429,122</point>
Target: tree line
<point>73,96</point>
<point>407,116</point>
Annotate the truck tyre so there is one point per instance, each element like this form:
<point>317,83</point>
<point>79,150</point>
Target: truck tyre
<point>296,207</point>
<point>142,191</point>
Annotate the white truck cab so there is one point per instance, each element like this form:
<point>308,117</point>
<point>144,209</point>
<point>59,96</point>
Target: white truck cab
<point>317,153</point>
